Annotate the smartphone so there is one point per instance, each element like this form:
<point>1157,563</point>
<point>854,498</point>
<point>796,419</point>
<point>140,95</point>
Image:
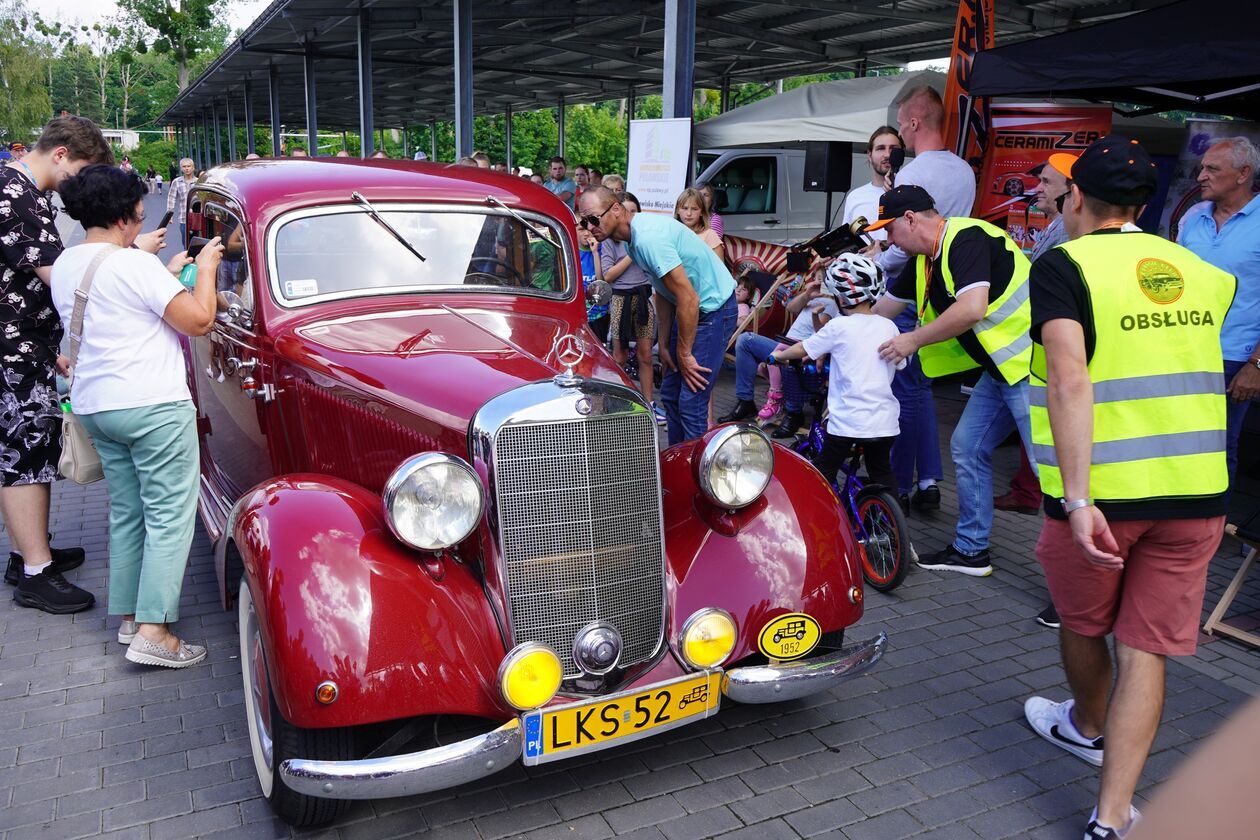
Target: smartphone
<point>166,220</point>
<point>195,244</point>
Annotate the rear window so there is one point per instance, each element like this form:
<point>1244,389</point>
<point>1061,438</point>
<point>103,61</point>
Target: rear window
<point>348,253</point>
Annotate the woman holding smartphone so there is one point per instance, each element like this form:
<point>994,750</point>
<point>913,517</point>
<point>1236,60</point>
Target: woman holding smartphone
<point>129,391</point>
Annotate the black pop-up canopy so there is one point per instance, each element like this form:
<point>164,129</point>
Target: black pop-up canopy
<point>1189,55</point>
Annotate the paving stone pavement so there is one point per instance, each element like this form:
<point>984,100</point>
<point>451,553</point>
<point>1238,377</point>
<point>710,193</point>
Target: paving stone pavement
<point>931,743</point>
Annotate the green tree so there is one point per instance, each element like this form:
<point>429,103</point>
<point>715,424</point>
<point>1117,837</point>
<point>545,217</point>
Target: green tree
<point>24,103</point>
<point>183,28</point>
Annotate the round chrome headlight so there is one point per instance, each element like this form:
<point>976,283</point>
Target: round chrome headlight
<point>433,501</point>
<point>736,466</point>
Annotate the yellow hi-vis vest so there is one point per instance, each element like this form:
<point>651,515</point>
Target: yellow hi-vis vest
<point>1159,385</point>
<point>1003,332</point>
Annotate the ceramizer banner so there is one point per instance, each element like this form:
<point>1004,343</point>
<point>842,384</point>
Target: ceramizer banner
<point>966,118</point>
<point>1022,138</point>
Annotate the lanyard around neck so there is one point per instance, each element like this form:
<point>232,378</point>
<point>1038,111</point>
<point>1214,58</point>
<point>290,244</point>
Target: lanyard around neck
<point>929,269</point>
<point>29,173</point>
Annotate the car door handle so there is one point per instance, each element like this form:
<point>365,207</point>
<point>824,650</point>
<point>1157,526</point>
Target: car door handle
<point>769,221</point>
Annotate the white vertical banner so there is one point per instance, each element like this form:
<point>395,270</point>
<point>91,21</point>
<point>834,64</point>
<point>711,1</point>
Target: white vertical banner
<point>660,154</point>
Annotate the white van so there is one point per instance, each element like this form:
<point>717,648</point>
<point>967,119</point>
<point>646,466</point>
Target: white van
<point>765,196</point>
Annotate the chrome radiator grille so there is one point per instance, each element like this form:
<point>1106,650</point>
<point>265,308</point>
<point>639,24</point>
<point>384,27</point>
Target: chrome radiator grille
<point>580,529</point>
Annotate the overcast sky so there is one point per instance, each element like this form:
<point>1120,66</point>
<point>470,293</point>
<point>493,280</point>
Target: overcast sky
<point>242,12</point>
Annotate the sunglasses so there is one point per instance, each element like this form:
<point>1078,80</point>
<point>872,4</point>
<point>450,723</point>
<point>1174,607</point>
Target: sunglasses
<point>588,222</point>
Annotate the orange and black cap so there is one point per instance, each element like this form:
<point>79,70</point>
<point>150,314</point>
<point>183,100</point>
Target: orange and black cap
<point>894,204</point>
<point>1115,169</point>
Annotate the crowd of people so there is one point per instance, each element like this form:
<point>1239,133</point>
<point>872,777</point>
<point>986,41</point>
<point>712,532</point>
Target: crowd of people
<point>1124,363</point>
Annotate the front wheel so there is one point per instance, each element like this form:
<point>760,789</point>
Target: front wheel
<point>272,739</point>
<point>886,555</point>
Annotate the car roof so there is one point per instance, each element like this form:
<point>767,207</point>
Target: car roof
<point>266,187</point>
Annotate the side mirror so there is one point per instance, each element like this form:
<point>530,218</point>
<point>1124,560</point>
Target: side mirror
<point>236,311</point>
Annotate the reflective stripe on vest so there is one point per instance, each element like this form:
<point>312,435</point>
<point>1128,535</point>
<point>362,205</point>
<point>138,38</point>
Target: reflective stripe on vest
<point>1159,388</point>
<point>1002,332</point>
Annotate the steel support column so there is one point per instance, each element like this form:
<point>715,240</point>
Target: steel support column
<point>680,58</point>
<point>230,118</point>
<point>218,136</point>
<point>725,104</point>
<point>406,144</point>
<point>312,117</point>
<point>249,120</point>
<point>630,103</point>
<point>433,140</point>
<point>273,88</point>
<point>205,162</point>
<point>507,135</point>
<point>560,127</point>
<point>365,84</point>
<point>463,78</point>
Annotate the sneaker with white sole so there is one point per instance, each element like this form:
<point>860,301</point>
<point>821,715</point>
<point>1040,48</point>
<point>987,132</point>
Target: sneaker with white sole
<point>950,559</point>
<point>127,631</point>
<point>1094,830</point>
<point>1053,721</point>
<point>144,652</point>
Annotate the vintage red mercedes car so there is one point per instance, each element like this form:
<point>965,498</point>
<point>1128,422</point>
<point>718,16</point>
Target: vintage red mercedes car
<point>443,512</point>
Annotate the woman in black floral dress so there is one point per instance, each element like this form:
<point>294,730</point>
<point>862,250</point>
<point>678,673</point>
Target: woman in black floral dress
<point>30,338</point>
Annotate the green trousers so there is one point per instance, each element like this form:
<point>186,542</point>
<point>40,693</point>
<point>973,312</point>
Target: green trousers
<point>150,460</point>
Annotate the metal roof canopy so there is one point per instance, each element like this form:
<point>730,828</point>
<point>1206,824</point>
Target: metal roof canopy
<point>526,54</point>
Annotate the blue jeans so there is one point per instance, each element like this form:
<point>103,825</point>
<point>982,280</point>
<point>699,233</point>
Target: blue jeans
<point>1235,414</point>
<point>751,350</point>
<point>919,444</point>
<point>993,412</point>
<point>687,411</point>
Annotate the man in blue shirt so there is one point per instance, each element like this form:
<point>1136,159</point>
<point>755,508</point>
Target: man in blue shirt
<point>1224,230</point>
<point>695,303</point>
<point>559,183</point>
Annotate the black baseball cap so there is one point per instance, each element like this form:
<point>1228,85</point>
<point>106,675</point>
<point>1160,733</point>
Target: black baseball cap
<point>1114,169</point>
<point>894,204</point>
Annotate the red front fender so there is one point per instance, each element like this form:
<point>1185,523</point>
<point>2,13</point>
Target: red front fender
<point>338,598</point>
<point>790,551</point>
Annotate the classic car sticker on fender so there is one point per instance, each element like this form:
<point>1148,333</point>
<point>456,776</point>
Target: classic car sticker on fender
<point>566,731</point>
<point>789,636</point>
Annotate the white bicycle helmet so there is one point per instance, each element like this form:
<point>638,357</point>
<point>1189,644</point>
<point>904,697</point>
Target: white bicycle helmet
<point>853,279</point>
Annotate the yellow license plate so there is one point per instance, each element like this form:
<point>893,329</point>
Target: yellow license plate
<point>565,731</point>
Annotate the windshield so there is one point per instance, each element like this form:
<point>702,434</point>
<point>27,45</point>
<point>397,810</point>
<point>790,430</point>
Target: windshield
<point>348,253</point>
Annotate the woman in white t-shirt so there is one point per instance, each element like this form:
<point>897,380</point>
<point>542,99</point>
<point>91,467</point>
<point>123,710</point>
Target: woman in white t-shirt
<point>130,393</point>
<point>861,408</point>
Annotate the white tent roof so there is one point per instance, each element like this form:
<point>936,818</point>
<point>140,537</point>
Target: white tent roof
<point>846,110</point>
<point>850,109</point>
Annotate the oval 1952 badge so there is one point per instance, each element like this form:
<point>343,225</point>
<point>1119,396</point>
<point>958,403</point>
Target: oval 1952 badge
<point>789,636</point>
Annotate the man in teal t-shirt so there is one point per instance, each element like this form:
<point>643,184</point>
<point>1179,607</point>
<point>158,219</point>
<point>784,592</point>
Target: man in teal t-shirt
<point>695,303</point>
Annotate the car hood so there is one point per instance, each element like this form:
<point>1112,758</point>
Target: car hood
<point>440,363</point>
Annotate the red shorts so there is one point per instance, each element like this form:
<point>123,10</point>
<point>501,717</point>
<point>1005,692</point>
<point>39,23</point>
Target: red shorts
<point>1153,604</point>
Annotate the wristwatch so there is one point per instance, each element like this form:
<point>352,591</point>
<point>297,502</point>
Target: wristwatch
<point>1075,504</point>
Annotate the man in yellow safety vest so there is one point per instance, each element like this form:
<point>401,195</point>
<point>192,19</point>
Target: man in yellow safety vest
<point>969,281</point>
<point>1128,420</point>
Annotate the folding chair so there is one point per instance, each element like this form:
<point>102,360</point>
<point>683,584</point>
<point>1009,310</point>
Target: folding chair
<point>1216,623</point>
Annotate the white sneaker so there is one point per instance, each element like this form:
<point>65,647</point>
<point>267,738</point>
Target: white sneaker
<point>1053,721</point>
<point>1095,830</point>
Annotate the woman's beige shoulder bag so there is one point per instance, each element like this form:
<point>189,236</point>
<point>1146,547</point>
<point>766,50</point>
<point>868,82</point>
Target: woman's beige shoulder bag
<point>79,461</point>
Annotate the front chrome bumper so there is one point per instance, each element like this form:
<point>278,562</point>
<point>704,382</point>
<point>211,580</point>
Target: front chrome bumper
<point>471,759</point>
<point>403,775</point>
<point>789,680</point>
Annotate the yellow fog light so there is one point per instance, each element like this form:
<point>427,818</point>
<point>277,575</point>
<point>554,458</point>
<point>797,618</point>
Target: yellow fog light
<point>530,675</point>
<point>708,638</point>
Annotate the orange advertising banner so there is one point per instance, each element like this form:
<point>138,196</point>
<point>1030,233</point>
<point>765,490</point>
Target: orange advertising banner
<point>966,120</point>
<point>1022,137</point>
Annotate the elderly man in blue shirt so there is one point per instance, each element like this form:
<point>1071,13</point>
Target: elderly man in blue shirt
<point>1225,231</point>
<point>695,303</point>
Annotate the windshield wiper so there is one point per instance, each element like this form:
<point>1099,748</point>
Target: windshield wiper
<point>542,233</point>
<point>380,221</point>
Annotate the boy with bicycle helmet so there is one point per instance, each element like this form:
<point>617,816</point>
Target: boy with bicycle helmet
<point>861,408</point>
